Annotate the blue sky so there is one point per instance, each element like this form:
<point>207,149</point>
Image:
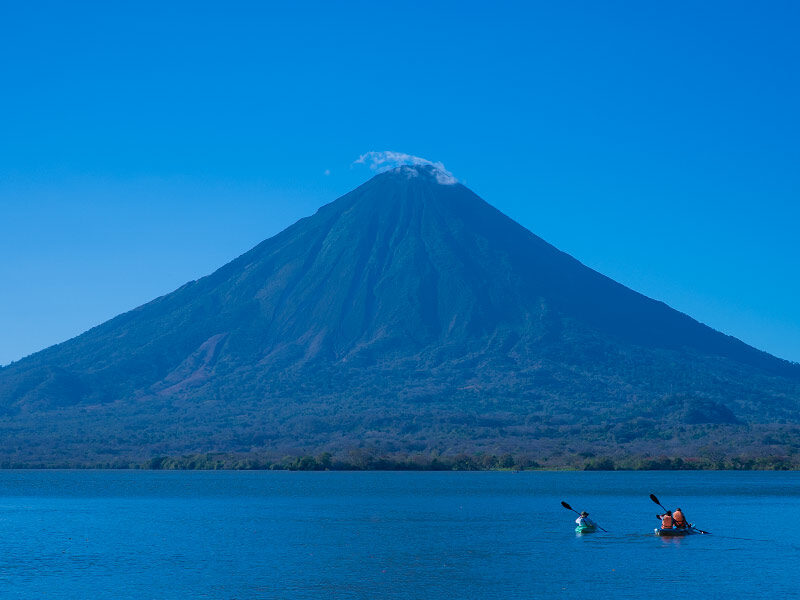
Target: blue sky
<point>144,145</point>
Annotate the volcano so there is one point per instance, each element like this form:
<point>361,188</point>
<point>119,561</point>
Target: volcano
<point>407,316</point>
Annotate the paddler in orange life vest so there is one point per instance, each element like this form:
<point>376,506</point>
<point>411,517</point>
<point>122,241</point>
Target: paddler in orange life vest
<point>666,520</point>
<point>679,519</point>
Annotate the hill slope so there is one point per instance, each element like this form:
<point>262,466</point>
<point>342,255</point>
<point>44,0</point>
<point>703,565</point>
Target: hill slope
<point>408,315</point>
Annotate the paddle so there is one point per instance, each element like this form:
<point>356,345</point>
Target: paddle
<point>654,499</point>
<point>568,507</point>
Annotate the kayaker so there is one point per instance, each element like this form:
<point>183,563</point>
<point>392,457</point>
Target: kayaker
<point>666,520</point>
<point>679,519</point>
<point>585,521</point>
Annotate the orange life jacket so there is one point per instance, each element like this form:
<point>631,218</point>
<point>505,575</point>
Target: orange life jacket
<point>680,520</point>
<point>666,522</point>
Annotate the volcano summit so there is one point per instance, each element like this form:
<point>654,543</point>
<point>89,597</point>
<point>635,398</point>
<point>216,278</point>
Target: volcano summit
<point>408,316</point>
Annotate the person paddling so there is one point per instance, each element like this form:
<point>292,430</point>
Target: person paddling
<point>585,524</point>
<point>679,519</point>
<point>585,521</point>
<point>666,520</point>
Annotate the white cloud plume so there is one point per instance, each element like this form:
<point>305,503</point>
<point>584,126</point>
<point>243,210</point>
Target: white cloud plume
<point>386,160</point>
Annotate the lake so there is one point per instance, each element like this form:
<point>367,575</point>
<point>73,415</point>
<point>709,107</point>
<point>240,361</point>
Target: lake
<point>346,535</point>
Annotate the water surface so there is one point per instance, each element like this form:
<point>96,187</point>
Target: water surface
<point>139,534</point>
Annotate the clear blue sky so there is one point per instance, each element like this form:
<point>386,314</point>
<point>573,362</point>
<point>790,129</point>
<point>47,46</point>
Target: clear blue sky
<point>145,144</point>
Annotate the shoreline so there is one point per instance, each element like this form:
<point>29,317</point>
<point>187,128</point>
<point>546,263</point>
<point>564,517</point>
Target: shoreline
<point>467,463</point>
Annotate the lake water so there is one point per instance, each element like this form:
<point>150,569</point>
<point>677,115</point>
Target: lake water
<point>118,534</point>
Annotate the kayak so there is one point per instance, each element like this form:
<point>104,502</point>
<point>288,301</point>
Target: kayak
<point>675,532</point>
<point>585,529</point>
